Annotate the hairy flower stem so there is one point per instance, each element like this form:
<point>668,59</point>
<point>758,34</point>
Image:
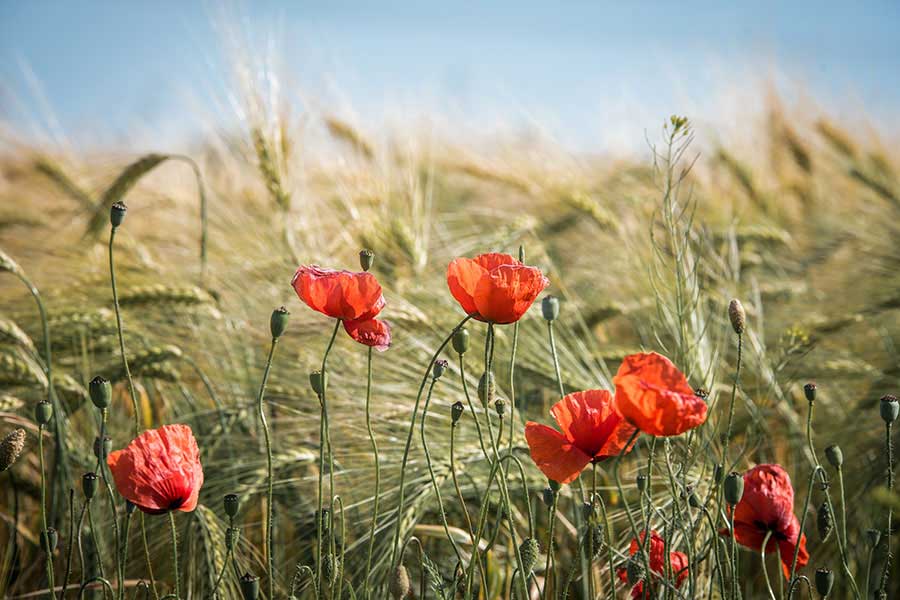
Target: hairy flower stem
<point>687,530</point>
<point>889,451</point>
<point>104,471</point>
<point>95,540</point>
<point>609,547</point>
<point>716,554</point>
<point>45,535</point>
<point>409,436</point>
<point>324,448</point>
<point>735,587</point>
<point>553,354</point>
<point>378,473</point>
<point>762,556</point>
<point>70,546</point>
<point>174,532</point>
<point>270,496</point>
<point>734,387</point>
<point>548,573</point>
<point>126,527</point>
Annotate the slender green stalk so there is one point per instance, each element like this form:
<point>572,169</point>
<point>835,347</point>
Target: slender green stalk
<point>889,450</point>
<point>734,556</point>
<point>221,575</point>
<point>548,565</point>
<point>45,536</point>
<point>734,387</point>
<point>70,545</point>
<point>377,472</point>
<point>107,588</point>
<point>147,557</point>
<point>634,528</point>
<point>103,469</point>
<point>762,556</point>
<point>95,539</point>
<point>719,562</point>
<point>409,436</point>
<point>270,496</point>
<point>459,494</point>
<point>174,532</point>
<point>127,526</point>
<point>559,383</point>
<point>609,547</point>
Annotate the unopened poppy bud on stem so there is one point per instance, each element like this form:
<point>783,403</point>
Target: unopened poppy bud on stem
<point>399,584</point>
<point>548,495</point>
<point>366,258</point>
<point>824,521</point>
<point>809,390</point>
<point>43,412</point>
<point>890,408</point>
<point>101,392</point>
<point>11,447</point>
<point>824,581</point>
<point>117,214</point>
<point>737,316</point>
<point>461,341</point>
<point>438,368</point>
<point>834,455</point>
<point>279,321</point>
<point>250,587</point>
<point>317,382</point>
<point>456,412</point>
<point>550,308</point>
<point>528,550</point>
<point>486,388</point>
<point>734,488</point>
<point>103,447</point>
<point>89,485</point>
<point>500,407</point>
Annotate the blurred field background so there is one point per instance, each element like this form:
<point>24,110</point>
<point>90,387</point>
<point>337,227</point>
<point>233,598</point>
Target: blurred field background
<point>791,205</point>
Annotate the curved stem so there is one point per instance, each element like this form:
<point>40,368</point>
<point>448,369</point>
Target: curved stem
<point>377,472</point>
<point>270,521</point>
<point>69,545</point>
<point>174,532</point>
<point>95,540</point>
<point>147,557</point>
<point>45,536</point>
<point>106,585</point>
<point>762,555</point>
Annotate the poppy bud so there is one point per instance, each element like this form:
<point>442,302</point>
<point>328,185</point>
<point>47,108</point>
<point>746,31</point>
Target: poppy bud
<point>366,258</point>
<point>809,390</point>
<point>500,407</point>
<point>43,412</point>
<point>438,368</point>
<point>330,568</point>
<point>49,540</point>
<point>634,569</point>
<point>89,485</point>
<point>11,447</point>
<point>737,315</point>
<point>399,584</point>
<point>232,535</point>
<point>824,581</point>
<point>592,535</point>
<point>130,507</point>
<point>554,485</point>
<point>102,448</point>
<point>232,504</point>
<point>548,496</point>
<point>550,308</point>
<point>834,455</point>
<point>718,473</point>
<point>642,482</point>
<point>325,522</point>
<point>890,408</point>
<point>101,392</point>
<point>528,550</point>
<point>316,381</point>
<point>117,214</point>
<point>456,412</point>
<point>693,500</point>
<point>250,587</point>
<point>461,341</point>
<point>279,321</point>
<point>874,536</point>
<point>824,521</point>
<point>734,488</point>
<point>486,388</point>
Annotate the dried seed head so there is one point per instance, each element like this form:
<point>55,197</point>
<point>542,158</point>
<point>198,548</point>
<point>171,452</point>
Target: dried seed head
<point>824,521</point>
<point>809,390</point>
<point>500,407</point>
<point>548,496</point>
<point>278,322</point>
<point>250,587</point>
<point>486,388</point>
<point>438,368</point>
<point>330,568</point>
<point>317,382</point>
<point>834,455</point>
<point>101,392</point>
<point>117,214</point>
<point>43,412</point>
<point>232,504</point>
<point>890,408</point>
<point>642,482</point>
<point>824,581</point>
<point>366,258</point>
<point>11,447</point>
<point>550,308</point>
<point>399,584</point>
<point>49,540</point>
<point>89,484</point>
<point>456,411</point>
<point>461,341</point>
<point>737,315</point>
<point>528,550</point>
<point>734,488</point>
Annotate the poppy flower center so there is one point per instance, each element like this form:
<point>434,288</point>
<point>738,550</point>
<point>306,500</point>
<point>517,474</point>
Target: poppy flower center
<point>777,534</point>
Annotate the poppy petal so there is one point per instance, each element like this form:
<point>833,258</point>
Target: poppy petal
<point>507,292</point>
<point>370,332</point>
<point>558,459</point>
<point>463,275</point>
<point>589,420</point>
<point>341,295</point>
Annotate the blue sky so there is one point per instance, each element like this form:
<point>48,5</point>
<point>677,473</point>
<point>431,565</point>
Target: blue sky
<point>589,72</point>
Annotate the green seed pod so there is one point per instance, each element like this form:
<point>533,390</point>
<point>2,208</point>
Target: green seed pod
<point>486,388</point>
<point>232,536</point>
<point>102,448</point>
<point>874,536</point>
<point>11,447</point>
<point>366,258</point>
<point>89,485</point>
<point>438,368</point>
<point>49,540</point>
<point>101,392</point>
<point>634,568</point>
<point>250,587</point>
<point>461,341</point>
<point>317,382</point>
<point>278,322</point>
<point>399,584</point>
<point>43,412</point>
<point>890,408</point>
<point>809,390</point>
<point>737,316</point>
<point>548,496</point>
<point>232,504</point>
<point>824,581</point>
<point>834,455</point>
<point>500,407</point>
<point>824,521</point>
<point>528,550</point>
<point>456,412</point>
<point>642,482</point>
<point>550,308</point>
<point>734,488</point>
<point>117,214</point>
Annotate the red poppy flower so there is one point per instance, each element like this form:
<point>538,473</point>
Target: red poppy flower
<point>654,396</point>
<point>678,563</point>
<point>495,288</point>
<point>160,470</point>
<point>591,431</point>
<point>768,505</point>
<point>343,295</point>
<point>371,332</point>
